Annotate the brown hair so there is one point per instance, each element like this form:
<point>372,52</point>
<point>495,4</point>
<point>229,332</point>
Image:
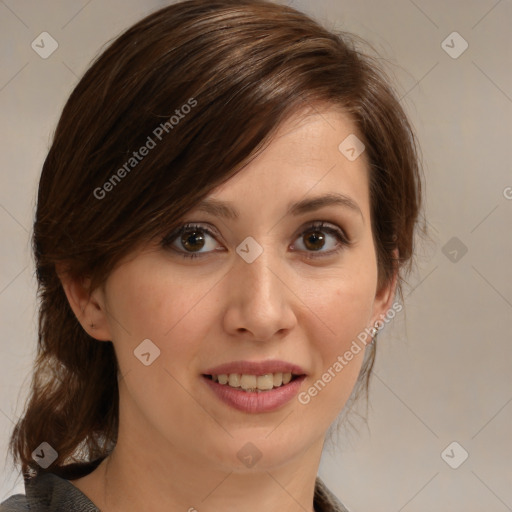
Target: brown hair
<point>216,78</point>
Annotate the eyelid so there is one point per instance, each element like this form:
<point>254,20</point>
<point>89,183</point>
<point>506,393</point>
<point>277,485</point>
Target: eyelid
<point>325,225</point>
<point>186,226</point>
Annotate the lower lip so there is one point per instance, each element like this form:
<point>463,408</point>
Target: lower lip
<point>252,401</point>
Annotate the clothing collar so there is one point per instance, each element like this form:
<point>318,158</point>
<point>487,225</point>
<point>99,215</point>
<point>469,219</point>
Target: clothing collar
<point>51,493</point>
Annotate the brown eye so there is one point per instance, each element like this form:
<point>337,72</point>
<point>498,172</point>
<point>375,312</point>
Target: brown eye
<point>192,240</point>
<point>320,236</point>
<point>314,241</point>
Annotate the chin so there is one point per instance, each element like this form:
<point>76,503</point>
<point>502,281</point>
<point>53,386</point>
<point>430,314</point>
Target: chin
<point>257,450</point>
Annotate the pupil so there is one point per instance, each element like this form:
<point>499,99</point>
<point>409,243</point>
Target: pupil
<point>195,237</point>
<point>317,236</point>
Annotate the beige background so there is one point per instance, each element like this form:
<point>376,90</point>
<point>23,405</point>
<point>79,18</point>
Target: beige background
<point>444,368</point>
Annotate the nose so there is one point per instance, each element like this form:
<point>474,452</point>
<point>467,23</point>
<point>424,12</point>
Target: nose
<point>260,301</point>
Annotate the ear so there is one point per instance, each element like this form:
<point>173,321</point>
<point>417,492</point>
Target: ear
<point>89,307</point>
<point>385,296</point>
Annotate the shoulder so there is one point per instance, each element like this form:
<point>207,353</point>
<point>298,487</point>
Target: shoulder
<point>325,501</point>
<point>15,503</point>
<point>48,492</point>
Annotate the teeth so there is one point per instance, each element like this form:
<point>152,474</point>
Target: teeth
<point>234,380</point>
<point>248,382</point>
<point>265,382</point>
<point>254,382</point>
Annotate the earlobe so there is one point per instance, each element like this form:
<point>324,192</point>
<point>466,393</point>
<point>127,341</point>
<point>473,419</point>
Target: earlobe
<point>87,306</point>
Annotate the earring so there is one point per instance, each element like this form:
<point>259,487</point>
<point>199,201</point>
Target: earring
<point>373,333</point>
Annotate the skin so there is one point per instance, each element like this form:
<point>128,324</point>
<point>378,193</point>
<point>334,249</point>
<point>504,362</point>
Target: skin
<point>177,446</point>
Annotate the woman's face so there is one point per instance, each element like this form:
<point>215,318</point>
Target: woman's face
<point>264,287</point>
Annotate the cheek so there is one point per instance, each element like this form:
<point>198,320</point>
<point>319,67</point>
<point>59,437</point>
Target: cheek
<point>343,308</point>
<point>178,310</point>
<point>345,301</point>
<point>147,301</point>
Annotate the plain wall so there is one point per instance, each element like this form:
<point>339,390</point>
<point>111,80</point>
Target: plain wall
<point>443,370</point>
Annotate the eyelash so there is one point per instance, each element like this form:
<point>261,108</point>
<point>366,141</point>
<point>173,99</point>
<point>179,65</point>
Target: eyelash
<point>343,241</point>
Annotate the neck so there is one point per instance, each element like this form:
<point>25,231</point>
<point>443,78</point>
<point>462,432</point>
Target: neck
<point>170,482</point>
<point>145,471</point>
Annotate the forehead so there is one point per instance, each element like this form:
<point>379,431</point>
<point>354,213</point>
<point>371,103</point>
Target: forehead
<point>307,157</point>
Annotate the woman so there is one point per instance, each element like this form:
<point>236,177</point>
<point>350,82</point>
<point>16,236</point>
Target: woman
<point>224,219</point>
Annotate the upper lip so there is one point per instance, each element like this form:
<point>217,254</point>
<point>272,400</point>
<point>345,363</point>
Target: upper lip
<point>255,368</point>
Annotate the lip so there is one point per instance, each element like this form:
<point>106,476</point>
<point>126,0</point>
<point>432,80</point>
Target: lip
<point>255,402</point>
<point>255,368</point>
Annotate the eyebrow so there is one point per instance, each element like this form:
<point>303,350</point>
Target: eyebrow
<point>224,209</point>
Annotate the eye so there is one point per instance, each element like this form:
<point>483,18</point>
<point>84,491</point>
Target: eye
<point>191,237</point>
<point>190,240</point>
<point>316,237</point>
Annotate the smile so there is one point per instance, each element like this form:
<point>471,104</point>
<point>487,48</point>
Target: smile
<point>251,383</point>
<point>255,386</point>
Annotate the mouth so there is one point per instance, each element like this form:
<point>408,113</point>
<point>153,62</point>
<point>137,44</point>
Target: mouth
<point>254,383</point>
<point>255,386</point>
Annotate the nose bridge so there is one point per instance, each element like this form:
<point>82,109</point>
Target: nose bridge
<point>259,296</point>
<point>257,268</point>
